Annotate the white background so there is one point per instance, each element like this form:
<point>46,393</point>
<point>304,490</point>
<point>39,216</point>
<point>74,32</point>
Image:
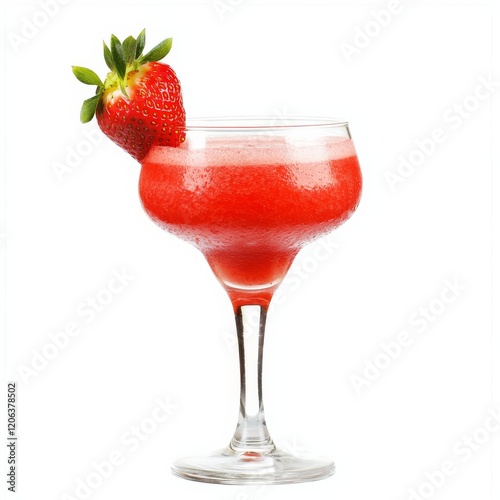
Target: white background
<point>169,334</point>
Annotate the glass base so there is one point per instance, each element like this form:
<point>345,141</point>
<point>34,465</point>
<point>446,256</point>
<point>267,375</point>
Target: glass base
<point>228,466</point>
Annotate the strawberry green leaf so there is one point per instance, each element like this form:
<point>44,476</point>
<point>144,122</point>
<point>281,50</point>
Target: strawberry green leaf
<point>108,57</point>
<point>87,76</point>
<point>159,52</point>
<point>141,42</point>
<point>123,88</point>
<point>118,56</point>
<point>129,47</point>
<point>89,107</point>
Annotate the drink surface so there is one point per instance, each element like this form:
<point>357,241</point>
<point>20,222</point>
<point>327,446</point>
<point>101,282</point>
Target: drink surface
<point>250,203</point>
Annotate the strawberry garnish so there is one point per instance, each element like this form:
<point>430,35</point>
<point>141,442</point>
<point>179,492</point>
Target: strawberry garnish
<point>140,102</point>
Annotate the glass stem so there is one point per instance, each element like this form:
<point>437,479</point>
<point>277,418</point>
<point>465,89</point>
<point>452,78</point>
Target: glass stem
<point>251,433</point>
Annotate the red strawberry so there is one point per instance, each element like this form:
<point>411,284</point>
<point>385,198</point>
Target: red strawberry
<point>140,102</point>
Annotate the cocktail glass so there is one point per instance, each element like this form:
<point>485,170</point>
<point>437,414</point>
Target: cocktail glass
<point>249,194</point>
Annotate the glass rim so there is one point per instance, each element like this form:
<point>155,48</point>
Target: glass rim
<point>257,123</point>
